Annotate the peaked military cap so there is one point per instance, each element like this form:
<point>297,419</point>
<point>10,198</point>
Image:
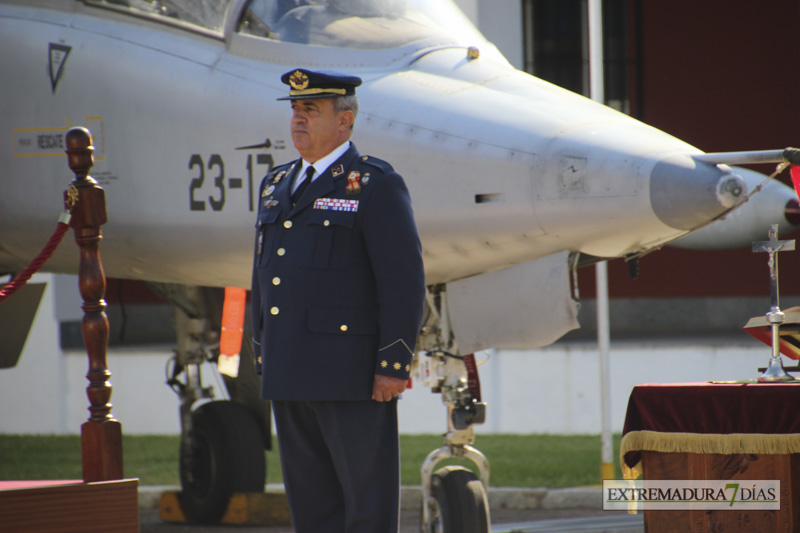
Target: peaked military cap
<point>307,84</point>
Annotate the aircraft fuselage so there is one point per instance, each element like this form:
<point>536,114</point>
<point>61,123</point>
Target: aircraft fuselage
<point>503,168</point>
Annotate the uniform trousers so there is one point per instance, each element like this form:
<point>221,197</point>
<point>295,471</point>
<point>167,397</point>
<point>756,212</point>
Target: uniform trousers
<point>341,465</point>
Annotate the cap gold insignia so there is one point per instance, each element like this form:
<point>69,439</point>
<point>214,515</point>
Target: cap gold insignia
<point>353,185</point>
<point>397,366</point>
<point>298,80</point>
<point>384,364</point>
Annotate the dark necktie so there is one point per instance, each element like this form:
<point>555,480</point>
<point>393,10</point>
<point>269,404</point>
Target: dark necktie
<point>303,185</point>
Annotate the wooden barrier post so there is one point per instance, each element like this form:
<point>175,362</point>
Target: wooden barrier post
<point>101,434</point>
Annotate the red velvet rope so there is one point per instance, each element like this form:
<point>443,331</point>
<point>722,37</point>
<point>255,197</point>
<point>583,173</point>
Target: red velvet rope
<point>36,264</point>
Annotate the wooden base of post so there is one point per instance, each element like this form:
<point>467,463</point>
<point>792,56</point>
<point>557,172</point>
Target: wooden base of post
<point>101,451</point>
<point>735,468</point>
<point>69,507</point>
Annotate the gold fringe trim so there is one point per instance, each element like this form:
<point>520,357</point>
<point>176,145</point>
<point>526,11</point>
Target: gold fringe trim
<point>631,472</point>
<point>732,443</point>
<point>304,92</point>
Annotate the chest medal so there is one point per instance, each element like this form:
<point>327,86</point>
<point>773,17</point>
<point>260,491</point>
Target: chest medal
<point>353,184</point>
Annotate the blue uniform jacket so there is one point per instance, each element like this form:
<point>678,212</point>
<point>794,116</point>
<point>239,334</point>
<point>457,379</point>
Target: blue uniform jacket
<point>338,284</point>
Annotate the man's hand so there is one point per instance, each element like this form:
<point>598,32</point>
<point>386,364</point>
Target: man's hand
<point>384,388</point>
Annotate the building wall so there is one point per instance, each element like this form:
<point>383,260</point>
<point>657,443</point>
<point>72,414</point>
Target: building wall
<point>500,21</point>
<point>551,390</point>
<point>46,391</point>
<point>722,76</point>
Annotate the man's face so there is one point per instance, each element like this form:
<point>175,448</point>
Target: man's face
<point>317,129</point>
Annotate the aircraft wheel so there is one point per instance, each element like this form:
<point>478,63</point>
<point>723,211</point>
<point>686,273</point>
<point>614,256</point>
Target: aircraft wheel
<point>224,455</point>
<point>458,502</point>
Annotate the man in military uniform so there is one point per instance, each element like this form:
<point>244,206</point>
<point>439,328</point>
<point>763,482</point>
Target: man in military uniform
<point>337,301</point>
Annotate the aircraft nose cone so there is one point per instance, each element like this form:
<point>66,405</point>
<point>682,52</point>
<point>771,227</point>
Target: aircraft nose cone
<point>686,194</point>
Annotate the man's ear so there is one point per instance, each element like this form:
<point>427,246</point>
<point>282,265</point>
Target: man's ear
<point>346,119</point>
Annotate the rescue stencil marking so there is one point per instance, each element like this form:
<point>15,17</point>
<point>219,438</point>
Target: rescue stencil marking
<point>336,204</point>
<point>37,142</point>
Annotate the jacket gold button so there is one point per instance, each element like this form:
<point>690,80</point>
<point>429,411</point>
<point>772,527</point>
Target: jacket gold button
<point>274,310</point>
<point>343,327</point>
<point>281,251</point>
<point>287,224</point>
<point>326,223</point>
<point>276,281</point>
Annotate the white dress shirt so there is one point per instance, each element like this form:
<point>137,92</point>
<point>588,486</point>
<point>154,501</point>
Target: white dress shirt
<point>321,165</point>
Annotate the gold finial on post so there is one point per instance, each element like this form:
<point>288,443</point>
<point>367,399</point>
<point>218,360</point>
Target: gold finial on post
<point>101,435</point>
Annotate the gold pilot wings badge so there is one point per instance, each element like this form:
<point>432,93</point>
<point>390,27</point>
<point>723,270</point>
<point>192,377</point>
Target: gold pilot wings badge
<point>336,204</point>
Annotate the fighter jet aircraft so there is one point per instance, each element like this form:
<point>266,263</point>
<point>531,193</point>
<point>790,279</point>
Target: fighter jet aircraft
<point>515,182</point>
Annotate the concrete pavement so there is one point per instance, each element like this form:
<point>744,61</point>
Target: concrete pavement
<point>518,510</point>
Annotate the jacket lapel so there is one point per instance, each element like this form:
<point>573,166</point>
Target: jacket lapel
<point>284,191</point>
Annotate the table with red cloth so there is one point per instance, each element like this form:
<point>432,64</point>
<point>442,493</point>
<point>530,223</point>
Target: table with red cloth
<point>723,430</point>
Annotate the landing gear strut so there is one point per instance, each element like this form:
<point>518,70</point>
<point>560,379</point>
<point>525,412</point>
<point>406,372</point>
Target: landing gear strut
<point>222,442</point>
<point>454,499</point>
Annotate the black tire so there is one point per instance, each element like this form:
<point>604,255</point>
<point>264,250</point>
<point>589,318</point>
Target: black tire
<point>246,387</point>
<point>459,503</point>
<point>224,456</point>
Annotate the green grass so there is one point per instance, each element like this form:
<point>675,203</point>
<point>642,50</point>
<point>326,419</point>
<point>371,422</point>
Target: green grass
<point>552,461</point>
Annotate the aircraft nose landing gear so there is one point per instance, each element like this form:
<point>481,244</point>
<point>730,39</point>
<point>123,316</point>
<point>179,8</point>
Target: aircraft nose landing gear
<point>222,442</point>
<point>454,498</point>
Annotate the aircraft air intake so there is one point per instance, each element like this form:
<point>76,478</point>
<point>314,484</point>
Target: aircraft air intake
<point>792,212</point>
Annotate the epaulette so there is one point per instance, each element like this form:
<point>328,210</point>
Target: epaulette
<point>375,162</point>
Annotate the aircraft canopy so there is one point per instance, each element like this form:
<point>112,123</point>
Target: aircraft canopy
<point>360,24</point>
<point>363,24</point>
<point>206,14</point>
